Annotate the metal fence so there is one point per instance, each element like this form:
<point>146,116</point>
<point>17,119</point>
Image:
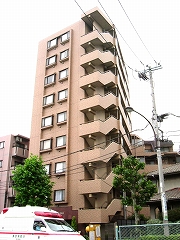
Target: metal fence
<point>169,231</point>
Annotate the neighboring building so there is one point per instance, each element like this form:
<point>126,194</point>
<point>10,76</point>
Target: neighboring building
<point>146,152</point>
<point>172,189</point>
<point>13,150</point>
<point>79,125</point>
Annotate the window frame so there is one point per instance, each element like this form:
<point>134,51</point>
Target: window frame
<point>66,39</point>
<point>61,169</point>
<point>63,137</point>
<point>64,98</point>
<point>66,70</point>
<point>50,46</point>
<point>43,125</point>
<point>45,104</point>
<point>64,118</point>
<point>48,168</point>
<point>66,57</point>
<point>46,83</point>
<point>56,199</point>
<point>42,142</point>
<point>2,144</point>
<point>1,163</point>
<point>48,64</point>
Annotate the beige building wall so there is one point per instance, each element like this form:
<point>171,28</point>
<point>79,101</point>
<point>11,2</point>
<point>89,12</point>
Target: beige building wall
<point>95,131</point>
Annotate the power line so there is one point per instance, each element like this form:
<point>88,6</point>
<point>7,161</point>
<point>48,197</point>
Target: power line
<point>99,158</point>
<point>136,31</point>
<point>122,37</point>
<point>103,36</point>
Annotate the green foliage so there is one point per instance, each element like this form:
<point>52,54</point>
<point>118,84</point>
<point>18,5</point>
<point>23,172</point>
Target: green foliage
<point>141,217</point>
<point>173,215</point>
<point>130,180</point>
<point>160,237</point>
<point>154,221</point>
<point>74,223</point>
<point>31,183</point>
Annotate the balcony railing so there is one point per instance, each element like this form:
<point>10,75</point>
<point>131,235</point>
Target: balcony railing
<point>99,215</point>
<point>20,152</point>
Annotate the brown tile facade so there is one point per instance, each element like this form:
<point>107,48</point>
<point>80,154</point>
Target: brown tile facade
<point>79,125</point>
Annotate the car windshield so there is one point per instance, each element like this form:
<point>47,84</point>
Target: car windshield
<point>58,225</point>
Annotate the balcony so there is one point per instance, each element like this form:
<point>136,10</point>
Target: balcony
<point>94,39</point>
<point>98,102</point>
<point>99,153</point>
<point>97,79</point>
<point>99,215</point>
<point>20,152</point>
<point>96,186</point>
<point>97,16</point>
<point>11,192</point>
<point>98,126</point>
<point>96,58</point>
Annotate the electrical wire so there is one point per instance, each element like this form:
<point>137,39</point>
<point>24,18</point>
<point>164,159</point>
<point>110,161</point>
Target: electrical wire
<point>136,31</point>
<point>99,158</point>
<point>69,172</point>
<point>174,115</point>
<point>173,131</point>
<point>80,165</point>
<point>102,35</point>
<point>121,36</point>
<point>96,145</point>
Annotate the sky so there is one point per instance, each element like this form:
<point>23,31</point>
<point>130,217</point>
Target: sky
<point>148,32</point>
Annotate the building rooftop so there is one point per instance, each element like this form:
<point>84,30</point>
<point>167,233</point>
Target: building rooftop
<point>173,169</point>
<point>171,194</point>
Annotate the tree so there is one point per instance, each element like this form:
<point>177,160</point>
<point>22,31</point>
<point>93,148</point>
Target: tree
<point>74,223</point>
<point>135,183</point>
<point>31,183</point>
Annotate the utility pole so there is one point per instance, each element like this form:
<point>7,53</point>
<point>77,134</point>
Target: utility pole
<point>158,149</point>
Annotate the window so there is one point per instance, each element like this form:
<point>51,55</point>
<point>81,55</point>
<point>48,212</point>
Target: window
<point>61,117</point>
<point>60,167</point>
<point>48,100</point>
<point>63,73</point>
<point>51,60</point>
<point>65,37</point>
<point>52,43</point>
<point>165,149</point>
<point>59,195</point>
<point>0,163</point>
<point>1,145</point>
<point>47,121</point>
<point>46,144</point>
<point>48,168</point>
<point>38,225</point>
<point>64,54</point>
<point>61,141</point>
<point>50,79</point>
<point>62,94</point>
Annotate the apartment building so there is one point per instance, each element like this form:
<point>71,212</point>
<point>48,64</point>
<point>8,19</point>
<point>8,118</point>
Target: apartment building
<point>79,125</point>
<point>13,150</point>
<point>146,151</point>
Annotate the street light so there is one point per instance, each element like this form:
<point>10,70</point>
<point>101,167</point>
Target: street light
<point>160,168</point>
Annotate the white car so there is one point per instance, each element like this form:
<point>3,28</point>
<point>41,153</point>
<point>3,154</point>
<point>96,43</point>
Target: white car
<point>33,222</point>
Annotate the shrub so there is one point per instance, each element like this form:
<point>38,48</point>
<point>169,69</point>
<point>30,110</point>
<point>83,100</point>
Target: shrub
<point>74,223</point>
<point>154,221</point>
<point>141,217</point>
<point>173,215</point>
